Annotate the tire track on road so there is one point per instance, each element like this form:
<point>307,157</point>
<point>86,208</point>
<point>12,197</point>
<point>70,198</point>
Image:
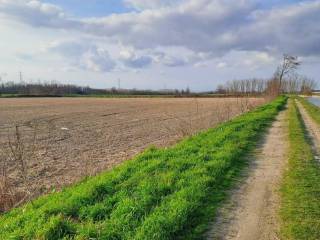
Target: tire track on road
<point>312,128</point>
<point>252,213</point>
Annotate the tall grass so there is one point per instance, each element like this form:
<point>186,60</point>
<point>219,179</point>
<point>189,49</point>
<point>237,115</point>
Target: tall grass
<point>161,194</point>
<point>300,210</point>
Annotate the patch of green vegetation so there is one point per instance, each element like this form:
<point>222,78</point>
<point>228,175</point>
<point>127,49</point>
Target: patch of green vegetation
<point>300,210</point>
<point>169,193</point>
<point>313,110</point>
<point>8,95</point>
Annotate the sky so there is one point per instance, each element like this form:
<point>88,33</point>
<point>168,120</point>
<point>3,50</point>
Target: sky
<point>155,44</point>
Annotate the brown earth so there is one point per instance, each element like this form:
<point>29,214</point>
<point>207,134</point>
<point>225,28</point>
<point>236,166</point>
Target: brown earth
<point>251,213</point>
<point>65,139</point>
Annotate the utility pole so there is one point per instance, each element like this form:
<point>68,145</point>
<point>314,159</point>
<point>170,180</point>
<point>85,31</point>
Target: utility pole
<point>119,83</point>
<point>20,75</point>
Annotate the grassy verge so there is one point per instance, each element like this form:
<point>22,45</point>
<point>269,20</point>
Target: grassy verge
<point>313,110</point>
<point>161,194</point>
<point>300,209</point>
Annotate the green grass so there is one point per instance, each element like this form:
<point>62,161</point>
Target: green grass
<point>8,95</point>
<point>300,209</point>
<point>161,194</point>
<point>313,110</point>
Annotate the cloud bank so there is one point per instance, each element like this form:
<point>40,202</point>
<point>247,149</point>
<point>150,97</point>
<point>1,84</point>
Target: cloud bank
<point>201,29</point>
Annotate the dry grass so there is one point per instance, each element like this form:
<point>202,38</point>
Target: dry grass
<point>49,143</point>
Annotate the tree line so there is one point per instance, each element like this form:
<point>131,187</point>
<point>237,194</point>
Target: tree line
<point>44,89</point>
<point>284,80</point>
<point>57,89</point>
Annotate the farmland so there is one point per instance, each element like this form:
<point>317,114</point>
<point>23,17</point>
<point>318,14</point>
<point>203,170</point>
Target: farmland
<point>159,120</point>
<point>151,197</point>
<point>189,176</point>
<point>70,138</point>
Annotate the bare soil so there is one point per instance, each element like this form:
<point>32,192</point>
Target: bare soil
<point>76,137</point>
<point>251,213</point>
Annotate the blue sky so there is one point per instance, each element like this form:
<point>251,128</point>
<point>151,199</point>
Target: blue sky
<point>155,43</point>
<point>90,8</point>
<point>100,8</point>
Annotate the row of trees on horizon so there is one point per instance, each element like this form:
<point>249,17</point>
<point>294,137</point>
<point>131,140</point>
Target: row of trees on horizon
<point>57,89</point>
<point>44,88</point>
<point>285,80</point>
<point>296,84</point>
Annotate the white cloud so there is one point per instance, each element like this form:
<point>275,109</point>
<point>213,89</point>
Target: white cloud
<point>247,60</point>
<point>131,59</point>
<point>215,26</point>
<point>218,27</point>
<point>187,32</point>
<point>178,56</point>
<point>37,14</point>
<point>170,60</point>
<point>150,4</point>
<point>221,65</point>
<point>97,60</point>
<point>83,55</point>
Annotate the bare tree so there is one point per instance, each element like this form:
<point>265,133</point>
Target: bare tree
<point>261,85</point>
<point>307,85</point>
<point>289,64</point>
<point>221,89</point>
<point>293,83</point>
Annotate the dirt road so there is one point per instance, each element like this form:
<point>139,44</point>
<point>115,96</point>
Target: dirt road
<point>312,128</point>
<point>252,212</point>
